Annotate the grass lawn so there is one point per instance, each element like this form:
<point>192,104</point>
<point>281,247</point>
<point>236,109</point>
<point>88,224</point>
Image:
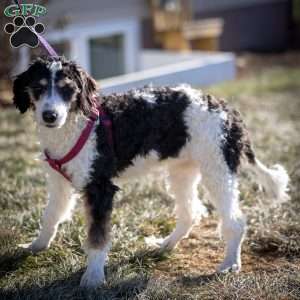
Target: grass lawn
<point>270,103</point>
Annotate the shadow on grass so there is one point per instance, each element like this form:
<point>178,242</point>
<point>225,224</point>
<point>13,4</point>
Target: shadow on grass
<point>132,283</point>
<point>68,288</point>
<point>10,262</point>
<point>200,280</point>
<point>148,257</point>
<point>116,287</point>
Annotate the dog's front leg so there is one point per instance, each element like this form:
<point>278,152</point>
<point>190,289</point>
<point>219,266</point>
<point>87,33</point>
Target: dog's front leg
<point>60,203</point>
<point>98,204</point>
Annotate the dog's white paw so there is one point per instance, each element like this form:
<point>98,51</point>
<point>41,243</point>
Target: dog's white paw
<point>226,267</point>
<point>35,247</point>
<point>161,244</point>
<point>153,242</point>
<point>92,278</point>
<point>168,244</point>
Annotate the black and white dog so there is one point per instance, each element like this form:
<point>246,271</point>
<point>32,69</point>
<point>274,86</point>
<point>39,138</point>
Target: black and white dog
<point>190,135</point>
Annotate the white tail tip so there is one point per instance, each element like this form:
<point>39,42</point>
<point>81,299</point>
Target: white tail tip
<point>275,180</point>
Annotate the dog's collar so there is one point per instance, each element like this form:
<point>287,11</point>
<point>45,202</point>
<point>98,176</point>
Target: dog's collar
<point>97,112</point>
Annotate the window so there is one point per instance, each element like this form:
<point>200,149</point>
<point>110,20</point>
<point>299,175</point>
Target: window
<point>107,56</point>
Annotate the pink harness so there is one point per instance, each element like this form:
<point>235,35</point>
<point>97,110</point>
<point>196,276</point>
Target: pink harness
<point>57,164</point>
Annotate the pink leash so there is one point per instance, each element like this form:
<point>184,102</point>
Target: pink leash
<point>47,46</point>
<point>57,164</point>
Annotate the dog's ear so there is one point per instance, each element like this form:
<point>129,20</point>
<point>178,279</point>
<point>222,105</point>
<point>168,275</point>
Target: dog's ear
<point>88,93</point>
<point>21,97</point>
<point>88,87</point>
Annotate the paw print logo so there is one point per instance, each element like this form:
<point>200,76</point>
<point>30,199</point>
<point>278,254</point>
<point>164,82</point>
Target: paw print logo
<point>24,31</point>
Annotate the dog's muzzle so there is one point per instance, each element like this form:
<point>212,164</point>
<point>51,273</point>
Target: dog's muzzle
<point>50,116</point>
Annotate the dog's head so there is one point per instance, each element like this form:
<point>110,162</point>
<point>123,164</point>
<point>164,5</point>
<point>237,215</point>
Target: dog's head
<point>54,87</point>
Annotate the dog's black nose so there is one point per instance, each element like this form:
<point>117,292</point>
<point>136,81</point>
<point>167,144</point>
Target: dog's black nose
<point>49,116</point>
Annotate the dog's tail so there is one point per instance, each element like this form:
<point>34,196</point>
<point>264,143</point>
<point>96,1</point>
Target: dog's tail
<point>274,180</point>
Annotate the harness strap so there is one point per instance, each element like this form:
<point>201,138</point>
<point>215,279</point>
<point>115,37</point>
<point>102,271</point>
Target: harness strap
<point>107,124</point>
<point>54,164</point>
<point>97,112</point>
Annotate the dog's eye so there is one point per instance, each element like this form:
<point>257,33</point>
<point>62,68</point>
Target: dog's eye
<point>66,89</point>
<point>38,90</point>
<point>38,87</point>
<point>66,92</point>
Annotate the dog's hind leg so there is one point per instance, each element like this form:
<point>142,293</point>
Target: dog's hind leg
<point>182,182</point>
<point>222,185</point>
<point>60,203</point>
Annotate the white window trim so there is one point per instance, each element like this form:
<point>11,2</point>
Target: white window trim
<point>78,35</point>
